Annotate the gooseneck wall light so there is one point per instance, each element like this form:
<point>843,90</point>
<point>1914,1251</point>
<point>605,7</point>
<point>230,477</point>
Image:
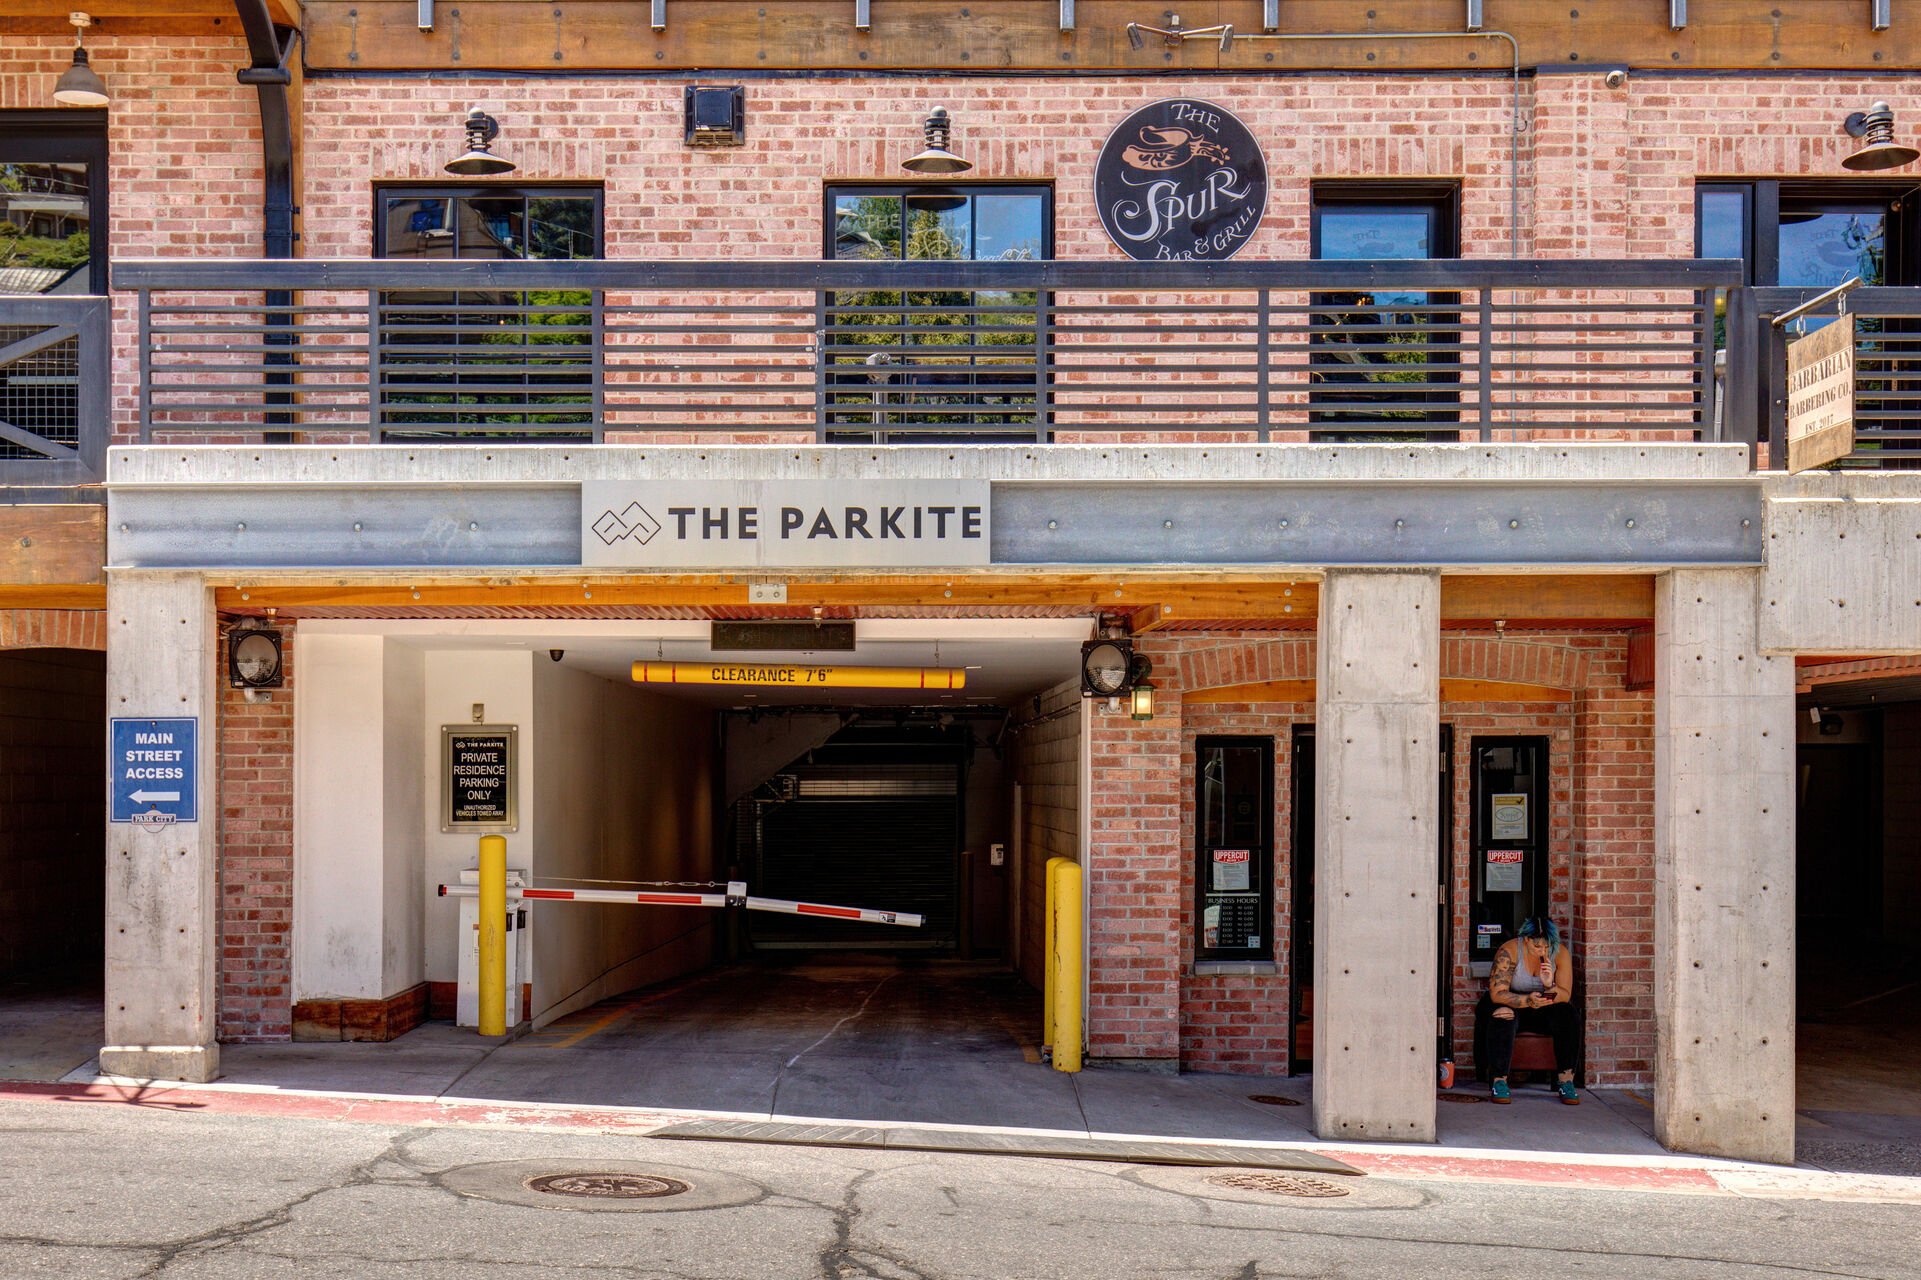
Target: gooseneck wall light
<point>935,157</point>
<point>1879,150</point>
<point>79,85</point>
<point>478,161</point>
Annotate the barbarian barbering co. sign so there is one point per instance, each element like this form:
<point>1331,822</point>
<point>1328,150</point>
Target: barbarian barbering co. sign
<point>1181,181</point>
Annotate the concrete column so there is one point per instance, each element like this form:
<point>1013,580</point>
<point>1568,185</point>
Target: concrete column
<point>1723,872</point>
<point>1377,765</point>
<point>162,926</point>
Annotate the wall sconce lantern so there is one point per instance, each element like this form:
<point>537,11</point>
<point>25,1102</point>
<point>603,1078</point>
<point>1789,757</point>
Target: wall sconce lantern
<point>936,158</point>
<point>79,85</point>
<point>253,658</point>
<point>716,116</point>
<point>1141,700</point>
<point>478,161</point>
<point>1875,127</point>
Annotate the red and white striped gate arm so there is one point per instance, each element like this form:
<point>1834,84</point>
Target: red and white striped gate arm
<point>736,894</point>
<point>907,918</point>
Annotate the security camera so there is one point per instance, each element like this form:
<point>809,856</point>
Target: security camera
<point>1615,79</point>
<point>556,654</point>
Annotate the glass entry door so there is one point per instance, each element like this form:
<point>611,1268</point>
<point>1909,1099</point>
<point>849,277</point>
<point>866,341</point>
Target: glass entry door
<point>1509,870</point>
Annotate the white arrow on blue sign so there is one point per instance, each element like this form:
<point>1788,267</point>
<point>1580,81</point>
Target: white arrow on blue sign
<point>155,770</point>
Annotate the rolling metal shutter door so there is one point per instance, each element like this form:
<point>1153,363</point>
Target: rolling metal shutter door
<point>867,835</point>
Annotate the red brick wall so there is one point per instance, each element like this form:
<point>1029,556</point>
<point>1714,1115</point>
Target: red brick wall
<point>256,860</point>
<point>1600,847</point>
<point>53,629</point>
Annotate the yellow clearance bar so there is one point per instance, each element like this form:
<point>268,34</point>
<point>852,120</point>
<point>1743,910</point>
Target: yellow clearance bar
<point>784,676</point>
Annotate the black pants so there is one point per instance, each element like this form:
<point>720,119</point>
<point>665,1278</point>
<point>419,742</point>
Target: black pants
<point>1557,1020</point>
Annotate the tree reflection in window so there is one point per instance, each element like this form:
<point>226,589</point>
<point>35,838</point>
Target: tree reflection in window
<point>488,364</point>
<point>932,364</point>
<point>1382,362</point>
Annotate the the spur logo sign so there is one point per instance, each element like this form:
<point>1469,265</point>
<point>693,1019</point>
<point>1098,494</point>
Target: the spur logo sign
<point>1181,181</point>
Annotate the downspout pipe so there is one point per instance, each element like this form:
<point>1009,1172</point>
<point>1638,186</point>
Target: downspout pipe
<point>270,78</point>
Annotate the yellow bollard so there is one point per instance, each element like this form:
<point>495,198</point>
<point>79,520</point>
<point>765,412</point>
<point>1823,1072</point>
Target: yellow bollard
<point>1069,1032</point>
<point>493,935</point>
<point>1047,952</point>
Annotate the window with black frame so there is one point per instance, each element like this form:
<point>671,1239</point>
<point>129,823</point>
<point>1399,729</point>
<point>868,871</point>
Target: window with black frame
<point>493,364</point>
<point>1383,365</point>
<point>933,365</point>
<point>1817,235</point>
<point>53,243</point>
<point>1234,848</point>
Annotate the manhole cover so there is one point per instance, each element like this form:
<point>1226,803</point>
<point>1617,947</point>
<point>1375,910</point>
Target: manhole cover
<point>608,1186</point>
<point>1278,1184</point>
<point>1461,1097</point>
<point>1273,1100</point>
<point>600,1185</point>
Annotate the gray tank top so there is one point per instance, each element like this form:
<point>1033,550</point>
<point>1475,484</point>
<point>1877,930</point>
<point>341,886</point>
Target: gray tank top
<point>1525,982</point>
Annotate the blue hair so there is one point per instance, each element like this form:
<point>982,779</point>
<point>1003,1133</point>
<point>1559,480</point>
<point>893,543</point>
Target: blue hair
<point>1542,927</point>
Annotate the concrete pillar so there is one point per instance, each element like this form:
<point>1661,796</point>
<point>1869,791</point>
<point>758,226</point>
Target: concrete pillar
<point>162,927</point>
<point>1723,872</point>
<point>1377,765</point>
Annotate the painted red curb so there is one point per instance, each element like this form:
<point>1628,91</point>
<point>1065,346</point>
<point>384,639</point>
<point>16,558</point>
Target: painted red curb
<point>327,1107</point>
<point>1555,1173</point>
<point>426,1111</point>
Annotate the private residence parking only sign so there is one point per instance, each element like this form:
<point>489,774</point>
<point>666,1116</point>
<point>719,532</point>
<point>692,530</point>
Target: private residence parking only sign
<point>156,766</point>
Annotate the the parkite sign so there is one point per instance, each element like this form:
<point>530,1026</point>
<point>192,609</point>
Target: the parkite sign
<point>731,524</point>
<point>155,767</point>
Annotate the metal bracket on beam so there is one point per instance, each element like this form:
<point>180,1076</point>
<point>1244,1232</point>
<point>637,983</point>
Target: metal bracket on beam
<point>1677,15</point>
<point>1270,15</point>
<point>1475,17</point>
<point>1880,14</point>
<point>1067,15</point>
<point>424,15</point>
<point>863,15</point>
<point>658,20</point>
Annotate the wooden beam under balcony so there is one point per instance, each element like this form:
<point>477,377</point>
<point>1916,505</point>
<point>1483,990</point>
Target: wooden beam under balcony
<point>135,17</point>
<point>53,545</point>
<point>986,36</point>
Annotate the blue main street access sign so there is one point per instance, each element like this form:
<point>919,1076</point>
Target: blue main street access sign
<point>155,766</point>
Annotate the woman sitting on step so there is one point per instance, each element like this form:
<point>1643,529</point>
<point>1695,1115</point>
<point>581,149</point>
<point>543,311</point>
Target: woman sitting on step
<point>1530,989</point>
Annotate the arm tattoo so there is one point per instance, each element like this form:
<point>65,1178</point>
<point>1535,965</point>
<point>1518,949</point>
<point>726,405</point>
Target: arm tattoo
<point>1503,972</point>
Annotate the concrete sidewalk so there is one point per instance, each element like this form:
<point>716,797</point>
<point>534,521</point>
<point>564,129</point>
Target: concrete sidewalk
<point>886,1042</point>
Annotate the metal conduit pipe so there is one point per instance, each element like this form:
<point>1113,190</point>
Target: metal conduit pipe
<point>269,76</point>
<point>1225,35</point>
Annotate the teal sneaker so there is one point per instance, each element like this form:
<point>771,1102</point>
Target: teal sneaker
<point>1502,1093</point>
<point>1568,1093</point>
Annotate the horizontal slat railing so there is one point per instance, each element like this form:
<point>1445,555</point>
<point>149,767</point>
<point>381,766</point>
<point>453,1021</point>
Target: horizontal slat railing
<point>917,351</point>
<point>54,380</point>
<point>1887,371</point>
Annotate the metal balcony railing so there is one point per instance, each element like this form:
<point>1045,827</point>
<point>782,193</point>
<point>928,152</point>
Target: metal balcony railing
<point>1887,382</point>
<point>54,380</point>
<point>416,351</point>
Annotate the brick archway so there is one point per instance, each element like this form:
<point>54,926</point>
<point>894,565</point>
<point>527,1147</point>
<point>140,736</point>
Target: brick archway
<point>53,629</point>
<point>1493,659</point>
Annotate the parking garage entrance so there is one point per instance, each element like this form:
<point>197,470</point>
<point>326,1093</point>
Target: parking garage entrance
<point>634,757</point>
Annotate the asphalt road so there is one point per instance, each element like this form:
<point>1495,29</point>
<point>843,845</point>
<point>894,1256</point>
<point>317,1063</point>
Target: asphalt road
<point>108,1190</point>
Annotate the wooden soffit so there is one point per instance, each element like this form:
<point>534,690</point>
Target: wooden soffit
<point>987,36</point>
<point>135,17</point>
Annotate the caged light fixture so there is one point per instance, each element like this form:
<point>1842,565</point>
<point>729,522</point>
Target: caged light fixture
<point>935,157</point>
<point>478,161</point>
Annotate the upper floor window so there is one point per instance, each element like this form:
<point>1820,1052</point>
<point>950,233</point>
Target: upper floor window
<point>1384,361</point>
<point>487,363</point>
<point>931,365</point>
<point>1811,235</point>
<point>53,201</point>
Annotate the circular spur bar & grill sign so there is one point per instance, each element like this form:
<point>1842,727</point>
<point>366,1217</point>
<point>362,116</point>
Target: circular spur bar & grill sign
<point>1181,180</point>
